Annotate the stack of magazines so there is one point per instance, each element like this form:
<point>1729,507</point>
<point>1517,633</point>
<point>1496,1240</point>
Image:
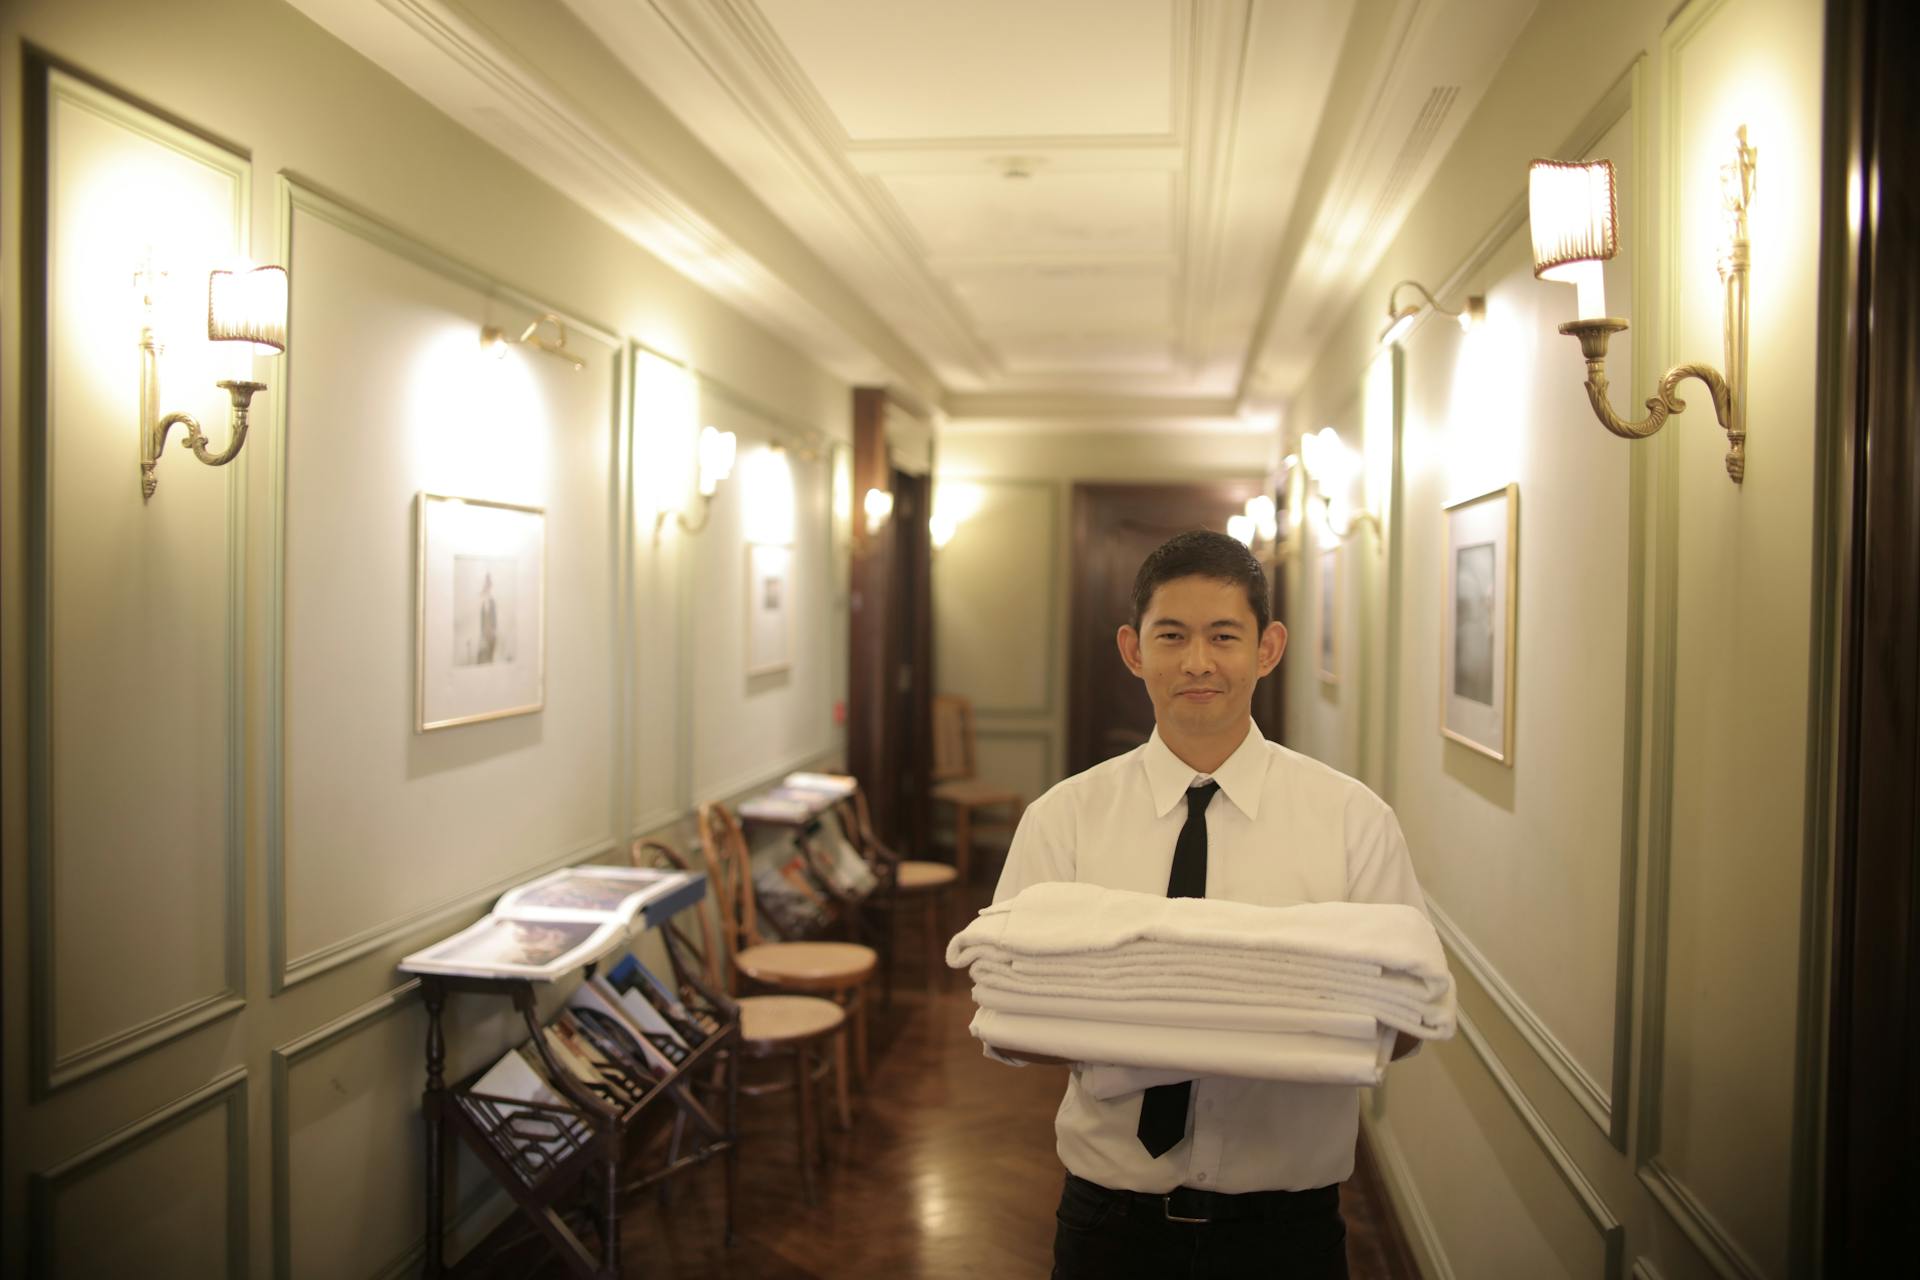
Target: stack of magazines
<point>555,924</point>
<point>618,1037</point>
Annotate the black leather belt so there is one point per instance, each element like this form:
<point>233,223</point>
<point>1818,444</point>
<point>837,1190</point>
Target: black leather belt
<point>1192,1205</point>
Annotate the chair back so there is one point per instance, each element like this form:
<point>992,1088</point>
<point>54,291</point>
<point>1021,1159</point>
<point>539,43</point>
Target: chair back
<point>707,957</point>
<point>729,878</point>
<point>952,738</point>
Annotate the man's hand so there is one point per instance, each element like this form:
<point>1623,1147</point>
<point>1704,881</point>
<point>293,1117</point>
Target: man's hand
<point>1032,1059</point>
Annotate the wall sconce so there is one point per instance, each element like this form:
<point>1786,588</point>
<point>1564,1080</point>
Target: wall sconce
<point>494,341</point>
<point>1258,526</point>
<point>716,453</point>
<point>878,505</point>
<point>1400,319</point>
<point>242,306</point>
<point>1330,469</point>
<point>1575,217</point>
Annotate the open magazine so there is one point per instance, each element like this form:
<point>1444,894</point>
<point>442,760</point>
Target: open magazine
<point>551,926</point>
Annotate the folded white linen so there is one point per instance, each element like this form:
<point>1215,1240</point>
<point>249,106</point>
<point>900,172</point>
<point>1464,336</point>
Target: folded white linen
<point>1170,1014</point>
<point>1067,918</point>
<point>1123,984</point>
<point>1298,1057</point>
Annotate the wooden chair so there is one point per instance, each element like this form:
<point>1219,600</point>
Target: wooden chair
<point>906,883</point>
<point>838,970</point>
<point>796,1027</point>
<point>954,783</point>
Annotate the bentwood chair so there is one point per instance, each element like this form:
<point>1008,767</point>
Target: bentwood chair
<point>799,1028</point>
<point>840,971</point>
<point>976,804</point>
<point>907,883</point>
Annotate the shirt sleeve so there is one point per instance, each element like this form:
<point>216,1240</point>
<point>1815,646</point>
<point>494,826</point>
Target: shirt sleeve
<point>1379,867</point>
<point>1042,848</point>
<point>1042,851</point>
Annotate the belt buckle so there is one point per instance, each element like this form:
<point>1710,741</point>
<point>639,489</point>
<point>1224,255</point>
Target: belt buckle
<point>1166,1207</point>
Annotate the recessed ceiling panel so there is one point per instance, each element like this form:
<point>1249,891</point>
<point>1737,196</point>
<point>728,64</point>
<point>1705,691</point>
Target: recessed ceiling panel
<point>987,215</point>
<point>1070,354</point>
<point>892,69</point>
<point>1054,300</point>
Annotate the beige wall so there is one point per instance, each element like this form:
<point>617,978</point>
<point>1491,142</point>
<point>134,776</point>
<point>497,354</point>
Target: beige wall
<point>1001,604</point>
<point>1622,905</point>
<point>237,831</point>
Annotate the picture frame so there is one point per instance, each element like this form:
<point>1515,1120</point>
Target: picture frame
<point>1328,610</point>
<point>769,610</point>
<point>1479,626</point>
<point>479,611</point>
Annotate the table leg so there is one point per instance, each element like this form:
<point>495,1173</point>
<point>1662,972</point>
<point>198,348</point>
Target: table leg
<point>432,1103</point>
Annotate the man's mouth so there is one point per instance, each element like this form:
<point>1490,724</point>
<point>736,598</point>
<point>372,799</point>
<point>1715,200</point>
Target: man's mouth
<point>1198,695</point>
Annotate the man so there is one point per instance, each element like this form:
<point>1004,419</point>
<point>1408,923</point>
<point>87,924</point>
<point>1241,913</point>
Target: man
<point>1216,1177</point>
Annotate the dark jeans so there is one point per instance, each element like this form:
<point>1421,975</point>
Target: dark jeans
<point>1105,1235</point>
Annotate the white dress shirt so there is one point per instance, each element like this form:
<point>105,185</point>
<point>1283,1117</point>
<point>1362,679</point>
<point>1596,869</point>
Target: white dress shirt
<point>1284,829</point>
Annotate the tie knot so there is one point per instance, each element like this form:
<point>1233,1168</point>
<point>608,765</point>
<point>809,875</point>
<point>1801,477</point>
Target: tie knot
<point>1198,798</point>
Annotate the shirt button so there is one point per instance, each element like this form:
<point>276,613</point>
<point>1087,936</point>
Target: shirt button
<point>1199,1177</point>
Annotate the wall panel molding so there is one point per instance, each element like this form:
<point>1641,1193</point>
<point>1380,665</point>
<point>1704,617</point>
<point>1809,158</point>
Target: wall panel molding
<point>296,195</point>
<point>1681,1203</point>
<point>1050,702</point>
<point>1588,1092</point>
<point>1612,1233</point>
<point>48,83</point>
<point>1404,1191</point>
<point>290,1055</point>
<point>227,1091</point>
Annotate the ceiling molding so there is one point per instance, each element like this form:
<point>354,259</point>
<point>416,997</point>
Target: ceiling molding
<point>465,71</point>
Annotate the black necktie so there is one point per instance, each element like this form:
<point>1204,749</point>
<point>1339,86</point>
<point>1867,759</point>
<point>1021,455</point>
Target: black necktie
<point>1163,1108</point>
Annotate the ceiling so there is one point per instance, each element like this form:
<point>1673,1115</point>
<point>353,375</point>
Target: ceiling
<point>1082,209</point>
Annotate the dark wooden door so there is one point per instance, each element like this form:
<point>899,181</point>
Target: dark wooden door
<point>1871,339</point>
<point>910,644</point>
<point>1114,527</point>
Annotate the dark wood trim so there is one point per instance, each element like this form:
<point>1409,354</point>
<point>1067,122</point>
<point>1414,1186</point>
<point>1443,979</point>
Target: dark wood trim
<point>1872,176</point>
<point>869,580</point>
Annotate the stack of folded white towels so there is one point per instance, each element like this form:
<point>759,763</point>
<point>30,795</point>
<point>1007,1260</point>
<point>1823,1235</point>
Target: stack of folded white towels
<point>1185,987</point>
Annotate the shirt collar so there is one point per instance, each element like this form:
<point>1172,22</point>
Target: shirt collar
<point>1241,777</point>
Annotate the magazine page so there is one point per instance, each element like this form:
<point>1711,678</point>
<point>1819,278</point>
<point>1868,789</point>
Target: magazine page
<point>589,892</point>
<point>837,785</point>
<point>538,949</point>
<point>786,804</point>
<point>515,1078</point>
<point>596,996</point>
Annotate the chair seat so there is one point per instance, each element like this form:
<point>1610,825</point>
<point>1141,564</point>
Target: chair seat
<point>808,966</point>
<point>785,1019</point>
<point>973,794</point>
<point>921,877</point>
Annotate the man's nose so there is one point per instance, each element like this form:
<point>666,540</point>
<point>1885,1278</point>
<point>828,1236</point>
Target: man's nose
<point>1197,659</point>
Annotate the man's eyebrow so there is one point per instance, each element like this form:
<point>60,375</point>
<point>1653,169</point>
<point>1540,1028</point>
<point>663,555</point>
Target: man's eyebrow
<point>1233,624</point>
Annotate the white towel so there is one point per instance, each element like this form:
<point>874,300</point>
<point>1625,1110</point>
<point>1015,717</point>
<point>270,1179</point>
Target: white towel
<point>1172,1014</point>
<point>1083,941</point>
<point>1299,1057</point>
<point>1063,918</point>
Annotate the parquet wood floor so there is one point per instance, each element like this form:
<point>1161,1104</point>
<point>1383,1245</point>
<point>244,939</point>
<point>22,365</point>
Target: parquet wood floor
<point>949,1173</point>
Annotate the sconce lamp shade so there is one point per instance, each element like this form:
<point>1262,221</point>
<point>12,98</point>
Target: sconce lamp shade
<point>1575,213</point>
<point>716,454</point>
<point>248,306</point>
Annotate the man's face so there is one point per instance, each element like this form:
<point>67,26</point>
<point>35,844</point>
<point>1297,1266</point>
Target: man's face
<point>1200,651</point>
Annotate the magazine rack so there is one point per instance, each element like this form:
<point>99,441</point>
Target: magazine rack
<point>543,1155</point>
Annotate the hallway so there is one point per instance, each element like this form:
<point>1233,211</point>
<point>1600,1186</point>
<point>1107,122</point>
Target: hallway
<point>949,1172</point>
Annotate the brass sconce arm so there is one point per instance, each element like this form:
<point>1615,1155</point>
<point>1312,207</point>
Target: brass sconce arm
<point>196,439</point>
<point>680,518</point>
<point>1727,389</point>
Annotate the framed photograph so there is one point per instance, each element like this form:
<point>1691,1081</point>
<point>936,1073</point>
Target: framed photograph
<point>1478,628</point>
<point>480,616</point>
<point>1329,614</point>
<point>769,608</point>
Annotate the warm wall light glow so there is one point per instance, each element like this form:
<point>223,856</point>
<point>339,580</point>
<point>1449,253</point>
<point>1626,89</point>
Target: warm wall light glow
<point>1574,214</point>
<point>766,491</point>
<point>1264,517</point>
<point>1240,528</point>
<point>665,426</point>
<point>249,306</point>
<point>878,505</point>
<point>474,427</point>
<point>717,450</point>
<point>954,503</point>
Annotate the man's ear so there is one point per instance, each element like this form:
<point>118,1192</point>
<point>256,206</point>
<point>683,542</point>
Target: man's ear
<point>1128,641</point>
<point>1273,643</point>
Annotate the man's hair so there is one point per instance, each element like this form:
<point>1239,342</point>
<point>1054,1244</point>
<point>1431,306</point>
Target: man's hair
<point>1202,553</point>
